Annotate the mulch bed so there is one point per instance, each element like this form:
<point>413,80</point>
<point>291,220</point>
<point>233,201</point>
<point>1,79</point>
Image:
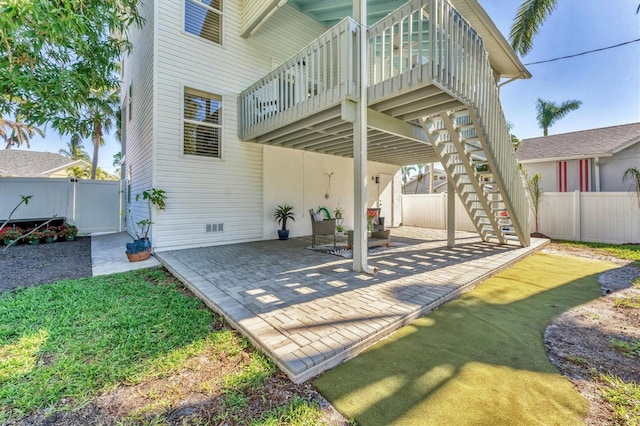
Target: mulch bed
<point>25,265</point>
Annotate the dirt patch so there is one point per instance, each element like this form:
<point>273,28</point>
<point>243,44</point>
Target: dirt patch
<point>578,341</point>
<point>25,265</point>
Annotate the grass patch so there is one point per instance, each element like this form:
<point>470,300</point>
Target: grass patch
<point>477,360</point>
<point>622,251</point>
<point>73,339</point>
<point>299,412</point>
<point>627,302</point>
<point>64,343</point>
<point>628,348</point>
<point>624,398</point>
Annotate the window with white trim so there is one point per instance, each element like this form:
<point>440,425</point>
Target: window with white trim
<point>204,19</point>
<point>202,123</point>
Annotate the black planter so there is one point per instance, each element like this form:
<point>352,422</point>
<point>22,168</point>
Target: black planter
<point>283,234</point>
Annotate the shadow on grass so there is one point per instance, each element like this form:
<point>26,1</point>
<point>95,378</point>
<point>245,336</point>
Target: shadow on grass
<point>478,360</point>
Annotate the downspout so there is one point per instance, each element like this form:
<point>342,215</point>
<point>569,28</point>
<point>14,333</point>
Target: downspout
<point>360,149</point>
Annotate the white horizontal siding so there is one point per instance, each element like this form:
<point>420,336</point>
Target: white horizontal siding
<point>138,72</point>
<point>206,190</point>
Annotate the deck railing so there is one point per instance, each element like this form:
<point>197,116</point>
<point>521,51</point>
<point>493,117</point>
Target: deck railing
<point>320,75</point>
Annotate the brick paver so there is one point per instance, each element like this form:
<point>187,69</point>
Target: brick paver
<point>308,311</point>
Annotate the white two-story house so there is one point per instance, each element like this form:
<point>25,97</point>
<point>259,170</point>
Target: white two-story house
<point>235,107</point>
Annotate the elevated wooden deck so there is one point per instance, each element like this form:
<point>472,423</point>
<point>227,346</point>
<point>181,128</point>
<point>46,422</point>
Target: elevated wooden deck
<point>431,97</point>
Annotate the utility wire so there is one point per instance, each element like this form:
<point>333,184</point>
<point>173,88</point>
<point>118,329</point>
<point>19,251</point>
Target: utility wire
<point>584,53</point>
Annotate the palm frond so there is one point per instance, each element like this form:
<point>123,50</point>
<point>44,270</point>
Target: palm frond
<point>528,21</point>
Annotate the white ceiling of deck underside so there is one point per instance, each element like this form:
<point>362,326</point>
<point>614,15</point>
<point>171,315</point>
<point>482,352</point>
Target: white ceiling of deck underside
<point>330,12</point>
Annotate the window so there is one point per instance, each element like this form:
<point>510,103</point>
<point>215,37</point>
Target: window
<point>202,123</point>
<point>204,19</point>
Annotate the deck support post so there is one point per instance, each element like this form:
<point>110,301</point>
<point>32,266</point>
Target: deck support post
<point>360,178</point>
<point>451,214</point>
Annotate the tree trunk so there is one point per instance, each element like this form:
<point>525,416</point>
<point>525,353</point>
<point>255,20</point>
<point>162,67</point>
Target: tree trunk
<point>97,135</point>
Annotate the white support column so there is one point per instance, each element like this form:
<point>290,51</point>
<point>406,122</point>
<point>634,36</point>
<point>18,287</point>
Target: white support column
<point>360,147</point>
<point>451,214</point>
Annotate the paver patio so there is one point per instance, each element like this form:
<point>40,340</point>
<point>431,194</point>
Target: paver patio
<point>308,311</point>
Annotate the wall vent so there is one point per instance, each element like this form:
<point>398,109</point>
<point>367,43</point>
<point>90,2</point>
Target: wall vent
<point>214,227</point>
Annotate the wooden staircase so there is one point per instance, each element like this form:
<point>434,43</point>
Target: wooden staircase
<point>462,153</point>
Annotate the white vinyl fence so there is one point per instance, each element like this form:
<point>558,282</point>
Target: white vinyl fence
<point>607,217</point>
<point>93,206</point>
<point>430,211</point>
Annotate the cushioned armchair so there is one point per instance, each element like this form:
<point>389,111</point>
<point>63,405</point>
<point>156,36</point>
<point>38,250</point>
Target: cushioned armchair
<point>378,222</point>
<point>320,226</point>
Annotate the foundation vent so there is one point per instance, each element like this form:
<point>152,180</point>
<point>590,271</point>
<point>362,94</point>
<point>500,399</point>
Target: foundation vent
<point>214,227</point>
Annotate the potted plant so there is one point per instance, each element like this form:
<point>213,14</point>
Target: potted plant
<point>337,213</point>
<point>140,249</point>
<point>49,234</point>
<point>340,229</point>
<point>281,214</point>
<point>11,235</point>
<point>71,232</point>
<point>34,237</point>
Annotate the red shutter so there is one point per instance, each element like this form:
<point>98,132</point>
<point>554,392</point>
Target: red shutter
<point>562,176</point>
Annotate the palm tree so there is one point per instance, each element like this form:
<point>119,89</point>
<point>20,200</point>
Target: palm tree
<point>75,149</point>
<point>406,172</point>
<point>102,107</point>
<point>16,132</point>
<point>529,18</point>
<point>550,112</point>
<point>421,168</point>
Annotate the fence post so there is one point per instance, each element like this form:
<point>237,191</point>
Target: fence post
<point>577,216</point>
<point>451,214</point>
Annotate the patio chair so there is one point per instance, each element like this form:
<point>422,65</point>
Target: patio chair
<point>320,226</point>
<point>378,222</point>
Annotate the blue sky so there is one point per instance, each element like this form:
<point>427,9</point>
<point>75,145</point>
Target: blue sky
<point>607,82</point>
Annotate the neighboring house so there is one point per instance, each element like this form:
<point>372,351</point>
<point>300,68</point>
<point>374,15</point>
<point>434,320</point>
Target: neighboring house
<point>22,163</point>
<point>422,187</point>
<point>589,160</point>
<point>236,107</point>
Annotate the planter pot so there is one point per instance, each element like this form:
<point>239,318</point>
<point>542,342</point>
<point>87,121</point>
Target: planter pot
<point>283,234</point>
<point>48,240</point>
<point>69,237</point>
<point>137,257</point>
<point>7,241</point>
<point>34,242</point>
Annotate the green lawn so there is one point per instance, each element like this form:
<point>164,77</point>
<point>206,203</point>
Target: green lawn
<point>477,360</point>
<point>62,344</point>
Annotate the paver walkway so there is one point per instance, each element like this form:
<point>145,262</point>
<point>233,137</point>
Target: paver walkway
<point>309,311</point>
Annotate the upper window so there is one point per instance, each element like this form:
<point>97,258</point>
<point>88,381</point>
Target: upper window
<point>204,19</point>
<point>202,123</point>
